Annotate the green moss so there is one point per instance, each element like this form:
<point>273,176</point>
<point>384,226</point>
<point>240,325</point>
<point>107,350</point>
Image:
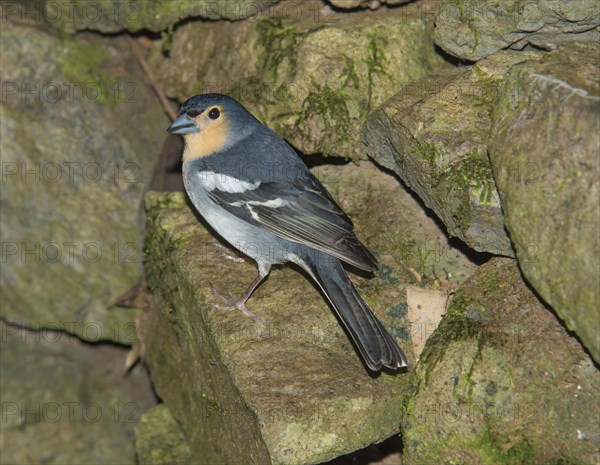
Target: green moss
<point>471,23</point>
<point>82,63</point>
<point>375,62</point>
<point>157,201</point>
<point>459,7</point>
<point>166,39</point>
<point>472,177</point>
<point>160,241</point>
<point>201,71</point>
<point>491,451</point>
<point>428,152</point>
<point>329,105</point>
<point>455,326</point>
<point>213,405</point>
<point>475,171</point>
<point>487,92</point>
<point>458,325</point>
<point>280,43</point>
<point>408,403</point>
<point>492,285</point>
<point>398,310</point>
<point>349,73</point>
<point>387,275</point>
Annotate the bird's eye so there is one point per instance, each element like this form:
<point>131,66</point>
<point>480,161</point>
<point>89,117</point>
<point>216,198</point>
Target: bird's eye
<point>214,113</point>
<point>192,113</point>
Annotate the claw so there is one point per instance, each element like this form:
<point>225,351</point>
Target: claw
<point>234,304</point>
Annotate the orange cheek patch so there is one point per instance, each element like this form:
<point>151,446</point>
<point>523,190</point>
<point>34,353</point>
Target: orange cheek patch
<point>211,138</point>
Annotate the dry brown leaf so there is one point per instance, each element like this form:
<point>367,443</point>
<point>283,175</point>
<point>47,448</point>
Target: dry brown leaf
<point>425,310</point>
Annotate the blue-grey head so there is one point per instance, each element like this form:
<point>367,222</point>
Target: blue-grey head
<point>211,123</point>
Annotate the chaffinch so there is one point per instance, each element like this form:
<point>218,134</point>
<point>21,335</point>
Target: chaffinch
<point>257,194</point>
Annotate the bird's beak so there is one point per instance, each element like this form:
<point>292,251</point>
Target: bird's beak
<point>183,125</point>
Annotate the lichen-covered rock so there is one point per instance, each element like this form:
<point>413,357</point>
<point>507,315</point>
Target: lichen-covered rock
<point>159,440</point>
<point>434,135</point>
<point>110,16</point>
<point>74,169</point>
<point>502,382</point>
<point>372,4</point>
<point>288,391</point>
<point>544,151</point>
<point>67,402</point>
<point>474,29</point>
<point>311,76</point>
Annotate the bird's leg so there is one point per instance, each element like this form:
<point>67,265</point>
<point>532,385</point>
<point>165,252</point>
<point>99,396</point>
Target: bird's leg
<point>240,304</point>
<point>224,252</point>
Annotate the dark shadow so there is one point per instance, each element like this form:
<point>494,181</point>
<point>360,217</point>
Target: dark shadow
<point>386,452</point>
<point>167,176</point>
<point>479,258</point>
<point>451,59</point>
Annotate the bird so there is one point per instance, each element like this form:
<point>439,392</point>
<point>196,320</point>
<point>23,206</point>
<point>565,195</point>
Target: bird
<point>257,194</point>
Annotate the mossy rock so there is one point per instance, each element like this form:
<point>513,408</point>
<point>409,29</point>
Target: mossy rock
<point>74,171</point>
<point>68,402</point>
<point>472,29</point>
<point>502,382</point>
<point>290,391</point>
<point>372,4</point>
<point>112,16</point>
<point>287,392</point>
<point>159,440</point>
<point>311,76</point>
<point>434,135</point>
<point>544,151</point>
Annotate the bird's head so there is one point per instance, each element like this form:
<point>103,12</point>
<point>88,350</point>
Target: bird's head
<point>211,123</point>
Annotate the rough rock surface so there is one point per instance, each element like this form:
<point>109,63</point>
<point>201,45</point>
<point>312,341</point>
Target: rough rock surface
<point>544,150</point>
<point>434,135</point>
<point>74,170</point>
<point>502,381</point>
<point>67,402</point>
<point>224,375</point>
<point>159,440</point>
<point>311,76</point>
<point>371,4</point>
<point>474,29</point>
<point>111,16</point>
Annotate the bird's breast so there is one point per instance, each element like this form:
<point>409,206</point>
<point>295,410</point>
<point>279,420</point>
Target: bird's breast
<point>251,240</point>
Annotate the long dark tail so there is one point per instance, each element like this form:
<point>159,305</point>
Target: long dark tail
<point>376,346</point>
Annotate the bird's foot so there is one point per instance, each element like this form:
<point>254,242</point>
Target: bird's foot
<point>224,252</point>
<point>234,304</point>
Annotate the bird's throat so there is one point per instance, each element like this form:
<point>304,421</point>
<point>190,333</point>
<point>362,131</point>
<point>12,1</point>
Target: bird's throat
<point>209,140</point>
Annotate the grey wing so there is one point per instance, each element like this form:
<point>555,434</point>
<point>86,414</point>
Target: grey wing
<point>300,211</point>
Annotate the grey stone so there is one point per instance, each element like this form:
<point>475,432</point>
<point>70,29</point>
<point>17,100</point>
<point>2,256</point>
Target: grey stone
<point>291,391</point>
<point>501,381</point>
<point>75,165</point>
<point>371,4</point>
<point>159,440</point>
<point>311,76</point>
<point>111,16</point>
<point>544,150</point>
<point>474,29</point>
<point>67,402</point>
<point>434,135</point>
